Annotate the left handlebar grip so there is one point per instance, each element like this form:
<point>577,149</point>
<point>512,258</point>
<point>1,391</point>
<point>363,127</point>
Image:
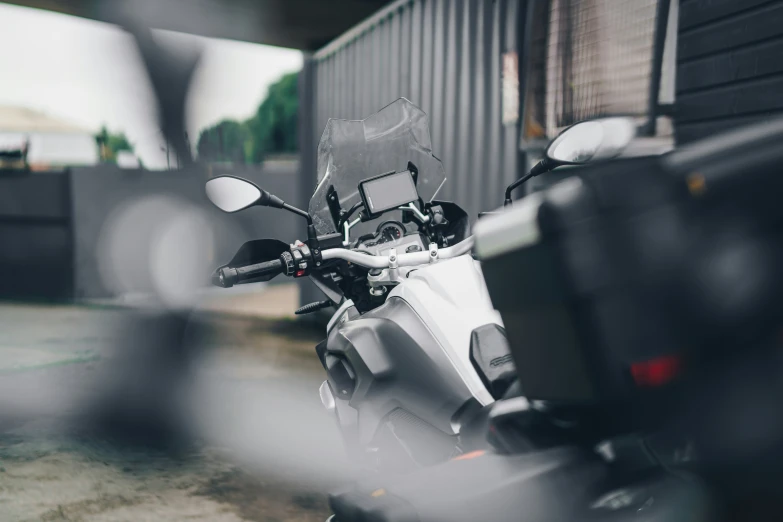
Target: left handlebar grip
<point>228,277</point>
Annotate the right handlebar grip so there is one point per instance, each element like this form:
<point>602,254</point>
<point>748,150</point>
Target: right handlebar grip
<point>228,277</point>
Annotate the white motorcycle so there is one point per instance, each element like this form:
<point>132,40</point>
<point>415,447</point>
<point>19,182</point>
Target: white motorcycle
<point>415,351</point>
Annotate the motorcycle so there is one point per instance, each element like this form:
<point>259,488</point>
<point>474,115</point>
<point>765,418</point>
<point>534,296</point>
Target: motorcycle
<point>415,352</point>
<point>659,439</point>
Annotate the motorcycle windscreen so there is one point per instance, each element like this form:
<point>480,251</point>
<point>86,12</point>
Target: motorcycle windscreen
<point>351,151</point>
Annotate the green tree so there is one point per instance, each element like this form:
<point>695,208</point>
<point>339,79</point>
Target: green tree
<point>274,127</point>
<point>272,130</point>
<point>110,144</point>
<point>228,141</point>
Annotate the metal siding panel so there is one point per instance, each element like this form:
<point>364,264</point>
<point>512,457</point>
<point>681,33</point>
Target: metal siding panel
<point>329,106</point>
<point>325,87</point>
<point>437,123</point>
<point>493,99</point>
<point>352,90</point>
<point>357,78</point>
<point>383,62</point>
<point>318,109</point>
<point>332,84</point>
<point>339,59</point>
<point>487,120</point>
<point>443,55</point>
<point>405,51</point>
<point>450,117</point>
<point>394,57</point>
<point>358,87</point>
<point>416,63</point>
<point>366,68</point>
<point>375,98</point>
<point>428,35</point>
<point>347,81</point>
<point>332,75</point>
<point>319,93</point>
<point>499,37</point>
<point>480,114</point>
<point>511,138</point>
<point>463,132</point>
<point>469,107</point>
<point>323,97</point>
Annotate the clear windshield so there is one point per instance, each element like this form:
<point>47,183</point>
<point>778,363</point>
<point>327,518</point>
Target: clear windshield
<point>351,151</point>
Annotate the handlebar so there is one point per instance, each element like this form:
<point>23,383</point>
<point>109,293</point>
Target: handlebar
<point>407,259</point>
<point>228,277</point>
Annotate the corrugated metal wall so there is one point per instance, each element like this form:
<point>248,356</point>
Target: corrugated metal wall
<point>444,56</point>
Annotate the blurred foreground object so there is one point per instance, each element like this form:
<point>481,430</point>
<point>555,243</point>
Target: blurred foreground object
<point>614,281</point>
<point>158,245</point>
<point>300,24</point>
<point>143,390</point>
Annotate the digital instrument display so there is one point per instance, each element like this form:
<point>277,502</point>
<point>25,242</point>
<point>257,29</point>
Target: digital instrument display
<point>387,192</point>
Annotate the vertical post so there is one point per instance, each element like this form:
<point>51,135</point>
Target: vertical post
<point>306,132</point>
<point>307,177</point>
<point>659,44</point>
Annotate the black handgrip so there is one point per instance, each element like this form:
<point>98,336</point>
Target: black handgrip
<point>228,277</point>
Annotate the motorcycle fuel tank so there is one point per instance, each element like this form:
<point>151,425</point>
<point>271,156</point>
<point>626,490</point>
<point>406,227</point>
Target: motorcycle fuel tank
<point>403,370</point>
<point>452,300</point>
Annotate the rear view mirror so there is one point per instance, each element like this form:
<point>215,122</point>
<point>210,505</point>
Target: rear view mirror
<point>582,143</point>
<point>232,194</point>
<point>591,141</point>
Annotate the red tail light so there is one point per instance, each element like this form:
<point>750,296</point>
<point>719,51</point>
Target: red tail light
<point>656,372</point>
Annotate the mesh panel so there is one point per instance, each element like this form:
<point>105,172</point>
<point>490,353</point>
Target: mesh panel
<point>599,58</point>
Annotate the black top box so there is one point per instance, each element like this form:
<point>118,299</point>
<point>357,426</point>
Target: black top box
<point>613,281</point>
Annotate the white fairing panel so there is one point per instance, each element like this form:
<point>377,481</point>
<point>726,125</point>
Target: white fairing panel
<point>452,299</point>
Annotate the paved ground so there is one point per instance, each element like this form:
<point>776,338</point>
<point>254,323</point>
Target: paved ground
<point>253,442</point>
<point>270,301</point>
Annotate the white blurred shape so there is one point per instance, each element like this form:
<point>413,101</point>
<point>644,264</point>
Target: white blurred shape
<point>180,251</point>
<point>158,245</point>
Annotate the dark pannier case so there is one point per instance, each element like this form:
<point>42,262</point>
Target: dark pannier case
<point>612,282</point>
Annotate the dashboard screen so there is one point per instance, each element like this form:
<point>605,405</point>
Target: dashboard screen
<point>388,192</point>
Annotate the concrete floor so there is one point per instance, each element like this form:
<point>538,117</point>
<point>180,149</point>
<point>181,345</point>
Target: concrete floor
<point>253,441</point>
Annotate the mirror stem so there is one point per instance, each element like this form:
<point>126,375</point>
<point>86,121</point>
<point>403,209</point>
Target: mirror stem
<point>545,165</point>
<point>298,211</point>
<point>312,236</point>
